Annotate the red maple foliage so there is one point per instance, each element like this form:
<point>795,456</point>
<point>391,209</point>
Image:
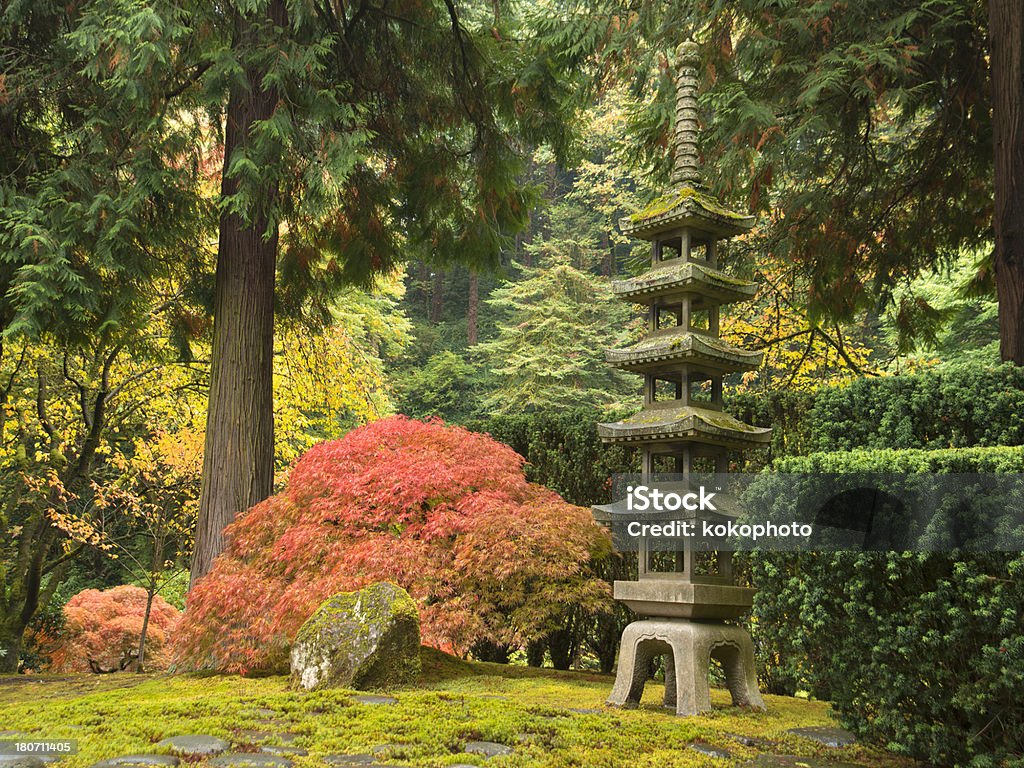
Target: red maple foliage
<point>443,512</point>
<point>102,628</point>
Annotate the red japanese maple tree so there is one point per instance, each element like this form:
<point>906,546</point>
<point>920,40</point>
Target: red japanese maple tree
<point>102,630</point>
<point>443,512</point>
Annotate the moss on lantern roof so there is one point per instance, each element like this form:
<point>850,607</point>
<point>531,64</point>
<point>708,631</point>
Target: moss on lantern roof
<point>665,203</point>
<point>683,345</point>
<point>680,275</point>
<point>686,207</point>
<point>683,422</point>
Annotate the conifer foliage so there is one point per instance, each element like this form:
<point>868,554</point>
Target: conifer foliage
<point>443,512</point>
<point>548,353</point>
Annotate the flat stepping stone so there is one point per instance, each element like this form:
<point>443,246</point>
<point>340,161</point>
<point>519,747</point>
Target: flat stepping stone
<point>710,751</point>
<point>250,760</point>
<point>375,700</point>
<point>487,748</point>
<point>250,736</point>
<point>748,741</point>
<point>823,734</point>
<point>195,745</point>
<point>794,761</point>
<point>283,750</point>
<point>350,761</point>
<point>14,758</point>
<point>22,761</point>
<point>138,761</point>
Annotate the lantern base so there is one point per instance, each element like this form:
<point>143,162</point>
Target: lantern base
<point>688,647</point>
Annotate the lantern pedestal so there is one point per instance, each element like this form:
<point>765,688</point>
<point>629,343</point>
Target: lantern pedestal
<point>688,648</point>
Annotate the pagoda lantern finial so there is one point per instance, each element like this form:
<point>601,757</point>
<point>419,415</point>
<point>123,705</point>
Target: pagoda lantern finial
<point>686,168</point>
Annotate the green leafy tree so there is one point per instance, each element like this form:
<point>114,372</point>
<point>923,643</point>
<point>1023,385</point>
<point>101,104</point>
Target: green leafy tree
<point>549,349</point>
<point>952,323</point>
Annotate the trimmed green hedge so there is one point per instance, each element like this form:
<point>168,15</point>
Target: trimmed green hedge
<point>950,407</point>
<point>923,652</point>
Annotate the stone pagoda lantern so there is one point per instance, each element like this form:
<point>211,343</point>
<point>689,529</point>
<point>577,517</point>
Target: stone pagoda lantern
<point>685,596</point>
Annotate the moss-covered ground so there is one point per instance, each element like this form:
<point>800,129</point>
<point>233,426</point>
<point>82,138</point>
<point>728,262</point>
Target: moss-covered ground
<point>454,702</point>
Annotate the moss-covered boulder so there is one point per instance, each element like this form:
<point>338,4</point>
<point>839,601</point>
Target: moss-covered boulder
<point>365,639</point>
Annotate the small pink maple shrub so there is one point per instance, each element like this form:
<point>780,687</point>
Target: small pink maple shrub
<point>102,629</point>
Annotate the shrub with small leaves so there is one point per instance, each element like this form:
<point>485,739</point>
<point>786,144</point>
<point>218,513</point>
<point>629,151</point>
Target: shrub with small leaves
<point>921,651</point>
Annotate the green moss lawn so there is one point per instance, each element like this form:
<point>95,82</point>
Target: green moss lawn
<point>455,702</point>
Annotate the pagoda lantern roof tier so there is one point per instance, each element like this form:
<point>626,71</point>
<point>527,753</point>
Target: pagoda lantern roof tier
<point>686,208</point>
<point>677,277</point>
<point>671,422</point>
<point>662,351</point>
<point>727,508</point>
<point>672,597</point>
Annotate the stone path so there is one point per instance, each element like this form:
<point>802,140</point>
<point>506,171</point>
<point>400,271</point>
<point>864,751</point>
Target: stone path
<point>377,700</point>
<point>830,737</point>
<point>250,760</point>
<point>194,745</point>
<point>709,750</point>
<point>486,748</point>
<point>21,761</point>
<point>138,761</point>
<point>15,761</point>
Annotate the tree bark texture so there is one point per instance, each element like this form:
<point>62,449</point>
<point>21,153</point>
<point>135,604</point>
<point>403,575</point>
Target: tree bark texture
<point>1006,41</point>
<point>238,463</point>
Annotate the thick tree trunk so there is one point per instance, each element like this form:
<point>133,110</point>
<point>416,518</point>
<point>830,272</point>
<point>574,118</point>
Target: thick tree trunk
<point>561,646</point>
<point>471,311</point>
<point>1006,39</point>
<point>238,464</point>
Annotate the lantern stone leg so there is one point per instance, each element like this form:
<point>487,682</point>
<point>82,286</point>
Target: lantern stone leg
<point>688,648</point>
